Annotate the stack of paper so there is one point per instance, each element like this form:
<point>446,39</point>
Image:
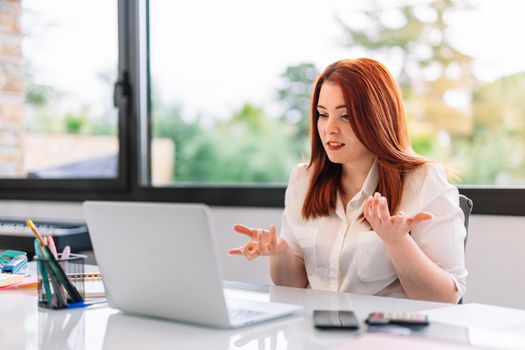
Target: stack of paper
<point>7,279</point>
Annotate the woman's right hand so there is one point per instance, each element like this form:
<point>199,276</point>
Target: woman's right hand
<point>262,242</point>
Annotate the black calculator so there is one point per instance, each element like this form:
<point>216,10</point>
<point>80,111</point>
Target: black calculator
<point>397,318</point>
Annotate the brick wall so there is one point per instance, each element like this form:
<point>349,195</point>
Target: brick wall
<point>11,89</point>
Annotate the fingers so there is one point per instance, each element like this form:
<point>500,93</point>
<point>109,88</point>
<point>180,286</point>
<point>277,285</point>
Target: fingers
<point>377,213</point>
<point>376,210</point>
<point>249,251</point>
<point>398,218</point>
<point>423,216</point>
<point>267,240</point>
<point>375,206</point>
<point>262,241</point>
<point>236,251</point>
<point>414,220</point>
<point>272,242</point>
<point>245,230</point>
<point>383,212</point>
<point>367,210</point>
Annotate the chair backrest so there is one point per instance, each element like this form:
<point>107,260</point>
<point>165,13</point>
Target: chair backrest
<point>466,205</point>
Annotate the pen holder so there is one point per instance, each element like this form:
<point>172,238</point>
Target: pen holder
<point>51,293</point>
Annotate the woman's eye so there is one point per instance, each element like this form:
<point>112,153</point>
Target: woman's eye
<point>345,117</point>
<point>323,116</point>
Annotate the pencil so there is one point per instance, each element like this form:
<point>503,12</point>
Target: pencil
<point>33,228</point>
<point>55,266</point>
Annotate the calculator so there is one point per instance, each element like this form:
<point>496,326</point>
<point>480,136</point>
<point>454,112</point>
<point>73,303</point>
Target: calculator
<point>397,318</point>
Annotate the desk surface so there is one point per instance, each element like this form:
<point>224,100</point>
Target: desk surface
<point>24,326</point>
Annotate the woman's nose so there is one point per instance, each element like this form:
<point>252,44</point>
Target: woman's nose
<point>331,126</point>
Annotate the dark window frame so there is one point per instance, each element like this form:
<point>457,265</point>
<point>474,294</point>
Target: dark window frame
<point>132,95</point>
<point>50,189</point>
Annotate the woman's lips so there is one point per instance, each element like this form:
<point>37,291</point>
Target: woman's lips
<point>334,145</point>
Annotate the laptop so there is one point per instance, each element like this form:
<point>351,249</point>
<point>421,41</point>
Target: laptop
<point>160,260</point>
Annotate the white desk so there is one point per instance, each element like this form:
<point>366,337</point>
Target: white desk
<point>24,326</point>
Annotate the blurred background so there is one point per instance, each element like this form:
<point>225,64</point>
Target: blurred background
<point>231,83</point>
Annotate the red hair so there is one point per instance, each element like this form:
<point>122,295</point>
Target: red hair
<point>373,99</point>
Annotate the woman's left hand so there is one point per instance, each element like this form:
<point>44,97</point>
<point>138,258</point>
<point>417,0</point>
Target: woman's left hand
<point>391,229</point>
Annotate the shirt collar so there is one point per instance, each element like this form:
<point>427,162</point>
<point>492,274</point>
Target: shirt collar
<point>372,180</point>
<point>368,189</point>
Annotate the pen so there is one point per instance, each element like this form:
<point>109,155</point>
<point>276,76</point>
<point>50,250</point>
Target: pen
<point>81,304</point>
<point>43,270</point>
<point>55,267</point>
<point>52,246</point>
<point>57,298</point>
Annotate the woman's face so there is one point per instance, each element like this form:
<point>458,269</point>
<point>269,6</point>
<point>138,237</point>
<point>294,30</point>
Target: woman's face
<point>338,138</point>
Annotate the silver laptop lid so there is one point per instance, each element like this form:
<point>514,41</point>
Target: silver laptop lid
<point>158,260</point>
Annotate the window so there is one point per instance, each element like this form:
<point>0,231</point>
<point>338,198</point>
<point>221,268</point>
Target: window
<point>59,70</point>
<point>230,92</point>
<point>214,97</point>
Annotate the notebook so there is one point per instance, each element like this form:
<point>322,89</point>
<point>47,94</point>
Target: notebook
<point>7,279</point>
<point>160,260</point>
<point>93,288</point>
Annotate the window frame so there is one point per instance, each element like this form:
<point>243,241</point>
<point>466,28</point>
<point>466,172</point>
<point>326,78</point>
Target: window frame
<point>49,189</point>
<point>134,177</point>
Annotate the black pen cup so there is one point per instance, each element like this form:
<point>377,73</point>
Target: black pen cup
<point>51,291</point>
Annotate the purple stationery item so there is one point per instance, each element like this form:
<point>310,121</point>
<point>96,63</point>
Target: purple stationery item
<point>65,256</point>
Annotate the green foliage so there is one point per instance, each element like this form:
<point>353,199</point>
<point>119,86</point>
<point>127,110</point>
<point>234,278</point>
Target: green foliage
<point>484,142</point>
<point>409,40</point>
<point>107,125</point>
<point>248,147</point>
<point>37,95</point>
<point>75,123</point>
<point>423,143</point>
<point>487,137</point>
<point>253,147</point>
<point>495,149</point>
<point>46,121</point>
<point>44,115</point>
<point>193,151</point>
<point>295,98</point>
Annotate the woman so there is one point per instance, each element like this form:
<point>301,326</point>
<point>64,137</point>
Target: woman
<point>366,215</point>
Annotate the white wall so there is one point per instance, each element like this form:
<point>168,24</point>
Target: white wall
<point>495,250</point>
<point>495,254</point>
<point>496,260</point>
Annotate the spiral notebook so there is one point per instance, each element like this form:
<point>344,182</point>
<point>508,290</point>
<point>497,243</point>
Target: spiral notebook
<point>93,285</point>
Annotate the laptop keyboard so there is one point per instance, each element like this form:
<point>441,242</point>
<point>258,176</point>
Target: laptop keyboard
<point>241,314</point>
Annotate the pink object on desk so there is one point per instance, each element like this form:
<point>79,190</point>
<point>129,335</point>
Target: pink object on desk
<point>399,342</point>
<point>30,281</point>
<point>52,246</point>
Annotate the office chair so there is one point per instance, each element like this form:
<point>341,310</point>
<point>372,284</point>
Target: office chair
<point>466,205</point>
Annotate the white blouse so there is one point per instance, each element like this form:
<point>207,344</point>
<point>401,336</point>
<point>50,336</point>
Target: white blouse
<point>342,254</point>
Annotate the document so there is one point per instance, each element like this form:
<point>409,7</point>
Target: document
<point>373,341</point>
<point>488,325</point>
